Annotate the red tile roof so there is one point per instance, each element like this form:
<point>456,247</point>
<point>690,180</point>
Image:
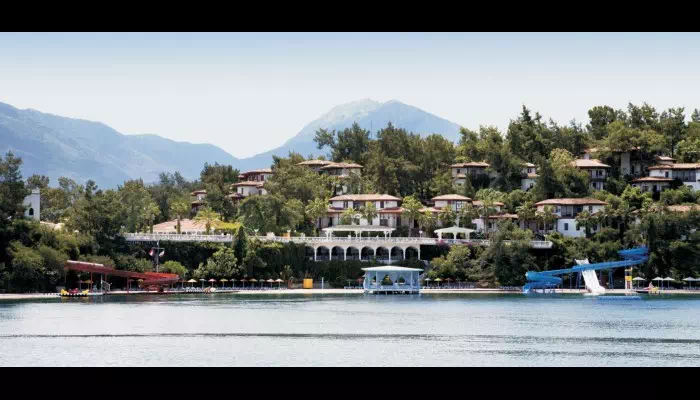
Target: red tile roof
<point>342,165</point>
<point>451,197</point>
<point>592,163</point>
<point>186,225</point>
<point>478,203</point>
<point>652,179</point>
<point>315,162</point>
<point>572,202</point>
<point>365,197</point>
<point>475,164</point>
<point>677,166</point>
<point>249,183</point>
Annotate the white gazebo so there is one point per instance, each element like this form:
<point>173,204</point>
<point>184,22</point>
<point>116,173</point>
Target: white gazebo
<point>410,284</point>
<point>454,230</point>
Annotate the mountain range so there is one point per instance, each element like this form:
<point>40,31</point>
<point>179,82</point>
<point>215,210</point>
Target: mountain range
<point>57,146</point>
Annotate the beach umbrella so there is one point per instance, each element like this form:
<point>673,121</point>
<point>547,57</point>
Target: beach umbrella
<point>270,281</point>
<point>638,279</point>
<point>279,281</point>
<point>202,280</point>
<point>438,280</point>
<point>193,281</point>
<point>223,281</point>
<point>660,280</point>
<point>243,281</point>
<point>690,281</point>
<point>253,281</point>
<point>212,280</point>
<point>669,279</point>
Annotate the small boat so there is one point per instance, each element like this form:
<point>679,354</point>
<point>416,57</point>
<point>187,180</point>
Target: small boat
<point>74,293</point>
<point>647,291</point>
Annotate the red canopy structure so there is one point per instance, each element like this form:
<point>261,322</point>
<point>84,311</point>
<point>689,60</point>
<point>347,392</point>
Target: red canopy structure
<point>149,278</point>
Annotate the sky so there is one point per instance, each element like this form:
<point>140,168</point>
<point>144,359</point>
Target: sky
<point>250,92</point>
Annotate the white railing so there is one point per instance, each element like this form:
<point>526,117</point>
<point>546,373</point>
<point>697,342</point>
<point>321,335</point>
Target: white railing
<point>165,237</point>
<point>325,239</point>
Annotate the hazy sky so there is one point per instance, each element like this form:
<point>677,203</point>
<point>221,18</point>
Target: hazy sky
<point>250,92</point>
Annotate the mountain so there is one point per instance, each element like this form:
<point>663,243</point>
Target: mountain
<point>370,115</point>
<point>57,146</point>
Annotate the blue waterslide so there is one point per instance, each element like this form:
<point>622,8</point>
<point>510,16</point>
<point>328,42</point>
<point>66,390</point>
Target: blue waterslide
<point>550,279</point>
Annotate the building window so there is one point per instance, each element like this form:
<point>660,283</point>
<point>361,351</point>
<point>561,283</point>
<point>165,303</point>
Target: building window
<point>458,170</point>
<point>381,204</point>
<point>345,204</point>
<point>566,226</point>
<point>31,212</point>
<point>578,227</point>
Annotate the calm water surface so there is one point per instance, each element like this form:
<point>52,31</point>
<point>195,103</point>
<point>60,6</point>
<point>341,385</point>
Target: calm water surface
<point>351,330</point>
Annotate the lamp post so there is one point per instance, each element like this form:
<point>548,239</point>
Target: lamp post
<point>420,233</point>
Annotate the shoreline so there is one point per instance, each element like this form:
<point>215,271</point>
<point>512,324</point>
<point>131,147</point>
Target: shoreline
<point>38,296</point>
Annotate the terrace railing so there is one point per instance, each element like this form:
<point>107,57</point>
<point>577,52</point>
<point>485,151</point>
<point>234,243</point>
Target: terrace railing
<point>165,237</point>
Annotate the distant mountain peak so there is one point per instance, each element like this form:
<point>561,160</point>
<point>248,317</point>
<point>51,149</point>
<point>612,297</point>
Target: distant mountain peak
<point>369,114</point>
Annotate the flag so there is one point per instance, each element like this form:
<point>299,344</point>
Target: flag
<point>162,253</point>
<point>151,253</point>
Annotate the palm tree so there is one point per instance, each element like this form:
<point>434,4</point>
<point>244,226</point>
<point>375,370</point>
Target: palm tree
<point>180,209</point>
<point>486,211</point>
<point>447,216</point>
<point>411,210</point>
<point>209,217</point>
<point>585,219</point>
<point>369,212</point>
<point>467,214</point>
<point>348,216</point>
<point>149,214</point>
<point>527,212</point>
<point>427,222</point>
<point>316,209</point>
<point>547,216</point>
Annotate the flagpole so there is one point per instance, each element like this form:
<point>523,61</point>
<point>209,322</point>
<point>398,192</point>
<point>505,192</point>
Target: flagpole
<point>157,255</point>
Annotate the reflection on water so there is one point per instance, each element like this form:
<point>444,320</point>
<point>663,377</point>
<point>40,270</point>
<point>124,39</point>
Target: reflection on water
<point>329,330</point>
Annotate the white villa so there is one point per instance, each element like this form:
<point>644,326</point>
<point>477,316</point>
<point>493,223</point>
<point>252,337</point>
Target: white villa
<point>248,188</point>
<point>457,202</point>
<point>388,210</point>
<point>258,175</point>
<point>596,170</point>
<point>567,210</point>
<point>32,204</point>
<point>530,176</point>
<point>688,173</point>
<point>461,170</point>
<point>631,162</point>
<point>252,182</point>
<point>199,201</point>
